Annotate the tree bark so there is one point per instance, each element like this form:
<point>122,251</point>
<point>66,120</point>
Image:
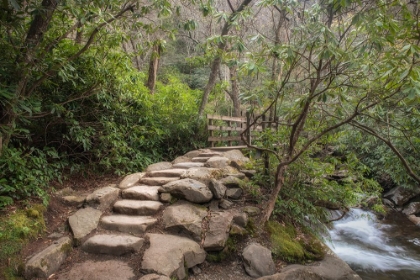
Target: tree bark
<point>153,67</point>
<point>234,93</point>
<point>215,65</point>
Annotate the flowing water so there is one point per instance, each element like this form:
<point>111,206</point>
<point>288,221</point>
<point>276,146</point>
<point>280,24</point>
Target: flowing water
<point>378,250</point>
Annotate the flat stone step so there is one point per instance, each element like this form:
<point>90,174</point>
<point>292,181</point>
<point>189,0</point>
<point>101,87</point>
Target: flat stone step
<point>188,165</point>
<point>137,207</point>
<point>177,172</point>
<point>158,181</point>
<point>210,154</point>
<point>142,193</point>
<point>112,244</point>
<point>200,159</point>
<point>127,224</point>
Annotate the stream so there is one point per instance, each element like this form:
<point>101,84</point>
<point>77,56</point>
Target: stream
<point>378,249</point>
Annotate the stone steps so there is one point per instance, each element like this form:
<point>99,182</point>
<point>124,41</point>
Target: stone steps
<point>142,193</point>
<point>112,244</point>
<point>188,165</point>
<point>157,181</point>
<point>174,172</point>
<point>137,207</point>
<point>200,159</point>
<point>127,224</point>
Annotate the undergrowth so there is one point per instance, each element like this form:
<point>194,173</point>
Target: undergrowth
<point>16,229</point>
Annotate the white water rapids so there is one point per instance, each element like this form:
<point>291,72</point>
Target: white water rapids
<point>379,250</point>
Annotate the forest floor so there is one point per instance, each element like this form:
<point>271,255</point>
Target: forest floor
<point>56,221</point>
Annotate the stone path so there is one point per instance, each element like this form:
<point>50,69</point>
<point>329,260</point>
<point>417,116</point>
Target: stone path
<point>138,200</point>
<point>192,199</point>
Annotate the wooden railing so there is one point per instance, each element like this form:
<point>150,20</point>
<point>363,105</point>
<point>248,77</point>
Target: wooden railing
<point>226,130</point>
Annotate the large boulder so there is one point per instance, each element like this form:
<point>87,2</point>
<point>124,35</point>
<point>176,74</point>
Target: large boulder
<point>218,231</point>
<point>83,222</point>
<point>258,260</point>
<point>412,208</point>
<point>131,180</point>
<point>217,162</point>
<point>99,270</point>
<point>400,195</point>
<point>189,189</point>
<point>102,199</point>
<point>171,255</point>
<point>330,268</point>
<point>217,188</point>
<point>202,174</point>
<point>185,217</point>
<point>46,262</point>
<point>236,157</point>
<point>159,166</point>
<point>154,276</point>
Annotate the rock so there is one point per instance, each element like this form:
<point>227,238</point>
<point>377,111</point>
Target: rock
<point>217,162</point>
<point>99,270</point>
<point>414,219</point>
<point>165,197</point>
<point>180,159</point>
<point>258,260</point>
<point>102,199</point>
<point>141,193</point>
<point>218,231</point>
<point>200,159</point>
<point>137,207</point>
<point>234,193</point>
<point>127,224</point>
<point>237,158</point>
<point>111,244</point>
<point>131,180</point>
<point>209,154</point>
<point>214,205</point>
<point>248,173</point>
<point>217,188</point>
<point>157,181</point>
<point>159,166</point>
<point>171,255</point>
<point>46,262</point>
<point>400,195</point>
<point>334,215</point>
<point>176,172</point>
<point>188,165</point>
<point>73,200</point>
<point>189,189</point>
<point>240,219</point>
<point>412,208</point>
<point>330,268</point>
<point>196,153</point>
<point>154,277</point>
<point>238,175</point>
<point>185,217</point>
<point>65,192</point>
<point>237,230</point>
<point>225,204</point>
<point>83,222</point>
<point>202,174</point>
<point>388,203</point>
<point>196,270</point>
<point>232,182</point>
<point>251,210</point>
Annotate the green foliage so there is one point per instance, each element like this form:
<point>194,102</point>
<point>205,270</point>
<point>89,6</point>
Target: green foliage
<point>15,230</point>
<point>289,246</point>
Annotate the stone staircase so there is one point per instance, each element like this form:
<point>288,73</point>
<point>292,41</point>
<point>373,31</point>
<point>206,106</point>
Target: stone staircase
<point>192,194</point>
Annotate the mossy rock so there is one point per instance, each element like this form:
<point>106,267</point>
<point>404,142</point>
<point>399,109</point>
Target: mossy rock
<point>287,246</point>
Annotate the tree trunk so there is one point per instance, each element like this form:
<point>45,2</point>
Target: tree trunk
<point>215,66</point>
<point>79,33</point>
<point>234,93</point>
<point>281,170</point>
<point>34,37</point>
<point>153,67</point>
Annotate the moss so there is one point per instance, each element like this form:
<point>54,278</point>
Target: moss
<point>66,248</point>
<point>251,227</point>
<point>16,229</point>
<point>287,246</point>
